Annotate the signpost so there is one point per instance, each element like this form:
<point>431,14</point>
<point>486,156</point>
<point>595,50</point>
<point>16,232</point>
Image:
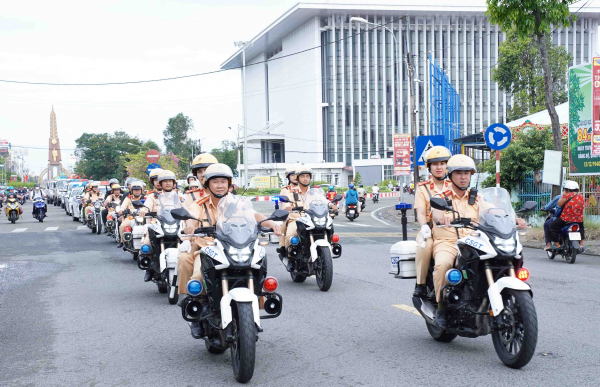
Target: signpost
<point>152,155</point>
<point>151,167</point>
<point>423,144</point>
<point>497,137</point>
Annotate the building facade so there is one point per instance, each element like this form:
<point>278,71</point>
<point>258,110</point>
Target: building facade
<point>327,90</point>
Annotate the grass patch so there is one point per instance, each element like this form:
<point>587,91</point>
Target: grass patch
<point>592,232</point>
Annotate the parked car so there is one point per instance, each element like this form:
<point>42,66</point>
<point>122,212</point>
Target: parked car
<point>74,203</point>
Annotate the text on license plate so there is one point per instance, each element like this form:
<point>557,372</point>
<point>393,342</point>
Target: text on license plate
<point>575,236</point>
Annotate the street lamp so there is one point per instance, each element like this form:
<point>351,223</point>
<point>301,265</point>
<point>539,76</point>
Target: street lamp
<point>244,45</point>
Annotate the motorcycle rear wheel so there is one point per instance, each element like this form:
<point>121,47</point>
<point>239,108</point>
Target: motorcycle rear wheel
<point>551,254</point>
<point>515,345</point>
<point>571,253</point>
<point>324,271</point>
<point>439,334</point>
<point>297,277</point>
<point>243,350</point>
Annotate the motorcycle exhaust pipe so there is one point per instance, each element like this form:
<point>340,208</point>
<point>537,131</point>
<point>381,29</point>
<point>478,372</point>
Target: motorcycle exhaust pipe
<point>272,305</point>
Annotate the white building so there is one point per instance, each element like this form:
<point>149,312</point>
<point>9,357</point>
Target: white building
<point>322,90</point>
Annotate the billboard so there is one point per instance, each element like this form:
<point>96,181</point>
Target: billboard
<point>3,146</point>
<point>584,123</point>
<point>401,154</point>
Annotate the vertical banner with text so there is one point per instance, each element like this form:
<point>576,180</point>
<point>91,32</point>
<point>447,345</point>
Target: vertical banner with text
<point>596,107</point>
<point>401,154</point>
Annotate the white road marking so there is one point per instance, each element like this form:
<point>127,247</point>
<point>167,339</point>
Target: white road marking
<point>3,266</point>
<point>359,225</point>
<point>82,228</point>
<point>51,229</point>
<point>374,216</point>
<point>341,225</point>
<point>19,230</point>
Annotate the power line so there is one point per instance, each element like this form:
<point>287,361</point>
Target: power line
<point>191,75</point>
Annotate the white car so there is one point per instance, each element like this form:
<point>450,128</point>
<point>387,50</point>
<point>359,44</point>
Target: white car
<point>74,205</point>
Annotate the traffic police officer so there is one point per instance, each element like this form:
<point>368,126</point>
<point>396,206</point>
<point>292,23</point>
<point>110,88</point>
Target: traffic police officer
<point>288,190</point>
<point>436,161</point>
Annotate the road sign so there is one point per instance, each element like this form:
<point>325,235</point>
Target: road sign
<point>423,144</point>
<point>152,166</point>
<point>152,155</point>
<point>497,136</point>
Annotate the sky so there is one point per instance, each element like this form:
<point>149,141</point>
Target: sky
<point>74,41</point>
<point>113,41</point>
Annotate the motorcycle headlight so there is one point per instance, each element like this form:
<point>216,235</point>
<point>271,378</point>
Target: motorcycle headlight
<point>240,255</point>
<point>170,229</point>
<point>97,205</point>
<point>506,245</point>
<point>320,221</point>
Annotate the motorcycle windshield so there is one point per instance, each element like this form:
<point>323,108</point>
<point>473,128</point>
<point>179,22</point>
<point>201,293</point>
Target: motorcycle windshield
<point>236,224</point>
<point>316,202</point>
<point>496,211</point>
<point>168,201</point>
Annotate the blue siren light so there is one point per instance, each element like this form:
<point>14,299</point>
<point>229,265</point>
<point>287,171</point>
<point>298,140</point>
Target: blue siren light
<point>453,276</point>
<point>294,240</point>
<point>194,287</point>
<point>145,249</point>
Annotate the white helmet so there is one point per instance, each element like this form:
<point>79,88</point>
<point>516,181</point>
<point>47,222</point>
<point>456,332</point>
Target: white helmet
<point>571,185</point>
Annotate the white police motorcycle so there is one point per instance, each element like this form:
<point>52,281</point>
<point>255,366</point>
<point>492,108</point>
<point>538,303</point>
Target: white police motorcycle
<point>133,234</point>
<point>234,269</point>
<point>486,291</point>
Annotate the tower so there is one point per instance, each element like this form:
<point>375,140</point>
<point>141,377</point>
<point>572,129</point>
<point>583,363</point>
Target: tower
<point>54,157</point>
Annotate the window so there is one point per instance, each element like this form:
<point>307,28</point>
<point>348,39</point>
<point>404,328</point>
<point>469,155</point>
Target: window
<point>272,151</point>
<point>388,173</point>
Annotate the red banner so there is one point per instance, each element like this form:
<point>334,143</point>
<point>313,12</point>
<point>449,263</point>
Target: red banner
<point>401,154</point>
<point>596,107</point>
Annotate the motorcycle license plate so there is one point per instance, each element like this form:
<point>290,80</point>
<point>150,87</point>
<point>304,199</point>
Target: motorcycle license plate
<point>351,212</point>
<point>574,236</point>
<point>395,264</point>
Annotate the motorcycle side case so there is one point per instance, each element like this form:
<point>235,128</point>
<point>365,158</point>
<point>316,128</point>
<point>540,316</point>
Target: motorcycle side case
<point>168,259</point>
<point>138,233</point>
<point>402,257</point>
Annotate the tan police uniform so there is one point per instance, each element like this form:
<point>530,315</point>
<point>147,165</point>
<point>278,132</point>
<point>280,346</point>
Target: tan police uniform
<point>189,264</point>
<point>93,197</point>
<point>127,205</point>
<point>286,191</point>
<point>425,191</point>
<point>444,238</point>
<point>151,204</point>
<point>192,196</point>
<point>291,229</point>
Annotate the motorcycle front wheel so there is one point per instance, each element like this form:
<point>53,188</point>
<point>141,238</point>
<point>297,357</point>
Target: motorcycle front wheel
<point>243,349</point>
<point>515,343</point>
<point>98,224</point>
<point>324,269</point>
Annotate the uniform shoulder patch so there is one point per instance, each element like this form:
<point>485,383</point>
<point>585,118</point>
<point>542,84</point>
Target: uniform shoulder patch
<point>150,192</point>
<point>448,193</point>
<point>202,200</point>
<point>423,183</point>
<point>197,190</point>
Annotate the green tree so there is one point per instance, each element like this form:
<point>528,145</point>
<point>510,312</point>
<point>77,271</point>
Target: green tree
<point>100,154</point>
<point>176,137</point>
<point>524,154</point>
<point>519,72</point>
<point>535,18</point>
<point>227,154</point>
<point>135,165</point>
<point>357,178</point>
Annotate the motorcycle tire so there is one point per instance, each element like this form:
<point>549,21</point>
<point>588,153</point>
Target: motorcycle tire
<point>438,334</point>
<point>526,318</point>
<point>212,349</point>
<point>172,300</point>
<point>551,254</point>
<point>325,274</point>
<point>243,350</point>
<point>571,254</point>
<point>136,255</point>
<point>98,225</point>
<point>296,277</point>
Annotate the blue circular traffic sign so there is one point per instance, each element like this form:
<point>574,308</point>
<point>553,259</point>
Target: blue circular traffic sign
<point>497,136</point>
<point>152,166</point>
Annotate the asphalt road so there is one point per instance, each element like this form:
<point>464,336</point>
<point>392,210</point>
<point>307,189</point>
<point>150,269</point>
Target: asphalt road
<point>74,310</point>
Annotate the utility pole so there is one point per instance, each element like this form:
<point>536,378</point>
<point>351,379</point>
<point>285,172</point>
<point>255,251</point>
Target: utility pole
<point>412,123</point>
<point>244,46</point>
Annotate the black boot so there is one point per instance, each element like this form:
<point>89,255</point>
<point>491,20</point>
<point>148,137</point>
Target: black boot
<point>281,250</point>
<point>148,276</point>
<point>120,245</point>
<point>197,330</point>
<point>439,319</point>
<point>105,230</point>
<point>420,291</point>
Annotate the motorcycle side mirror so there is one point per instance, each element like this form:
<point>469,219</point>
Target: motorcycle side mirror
<point>338,197</point>
<point>137,204</point>
<point>181,214</point>
<point>529,205</point>
<point>279,215</point>
<point>284,199</point>
<point>440,204</point>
